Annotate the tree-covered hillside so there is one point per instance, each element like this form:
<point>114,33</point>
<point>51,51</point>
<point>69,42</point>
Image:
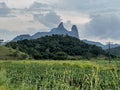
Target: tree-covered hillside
<point>57,47</point>
<point>115,51</point>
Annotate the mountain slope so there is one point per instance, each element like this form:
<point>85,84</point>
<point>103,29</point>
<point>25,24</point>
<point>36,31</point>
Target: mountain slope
<point>115,51</point>
<point>22,37</point>
<point>57,47</point>
<point>94,43</point>
<point>60,30</point>
<point>105,47</point>
<point>11,54</point>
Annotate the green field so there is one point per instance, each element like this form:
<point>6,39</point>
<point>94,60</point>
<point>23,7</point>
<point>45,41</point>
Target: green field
<point>59,75</point>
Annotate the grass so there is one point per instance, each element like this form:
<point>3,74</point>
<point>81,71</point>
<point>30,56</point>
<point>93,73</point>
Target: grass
<point>10,54</point>
<point>59,75</point>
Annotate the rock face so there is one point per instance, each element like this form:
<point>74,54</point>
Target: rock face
<point>74,31</point>
<point>22,37</point>
<point>60,30</point>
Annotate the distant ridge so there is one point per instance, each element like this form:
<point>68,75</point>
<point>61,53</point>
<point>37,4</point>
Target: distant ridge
<point>60,30</point>
<point>115,51</point>
<point>105,47</point>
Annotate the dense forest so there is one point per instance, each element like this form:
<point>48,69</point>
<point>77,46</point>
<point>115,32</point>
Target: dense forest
<point>55,47</point>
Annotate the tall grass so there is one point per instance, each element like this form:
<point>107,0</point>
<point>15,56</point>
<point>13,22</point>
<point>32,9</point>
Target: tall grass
<point>59,75</point>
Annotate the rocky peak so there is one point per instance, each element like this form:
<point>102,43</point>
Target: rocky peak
<point>74,28</point>
<point>75,31</point>
<point>61,26</point>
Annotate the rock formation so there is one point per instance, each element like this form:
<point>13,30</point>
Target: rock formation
<point>60,30</point>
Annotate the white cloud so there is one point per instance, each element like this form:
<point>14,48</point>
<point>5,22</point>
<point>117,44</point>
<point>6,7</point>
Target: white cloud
<point>21,20</point>
<point>75,19</point>
<point>20,23</point>
<point>19,3</point>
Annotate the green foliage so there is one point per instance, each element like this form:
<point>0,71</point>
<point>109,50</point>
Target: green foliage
<point>57,47</point>
<point>11,54</point>
<point>59,75</point>
<point>115,51</point>
<point>60,56</point>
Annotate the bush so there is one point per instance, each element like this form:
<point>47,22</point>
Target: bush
<point>60,56</point>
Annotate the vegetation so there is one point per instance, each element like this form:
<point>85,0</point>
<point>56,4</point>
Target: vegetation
<point>115,51</point>
<point>11,54</point>
<point>57,47</point>
<point>59,75</point>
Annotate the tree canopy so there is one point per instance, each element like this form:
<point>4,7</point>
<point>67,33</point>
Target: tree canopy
<point>57,47</point>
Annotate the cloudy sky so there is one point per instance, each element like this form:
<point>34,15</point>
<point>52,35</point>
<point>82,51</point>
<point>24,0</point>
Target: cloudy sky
<point>97,20</point>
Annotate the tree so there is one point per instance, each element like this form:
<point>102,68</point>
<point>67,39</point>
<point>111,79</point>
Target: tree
<point>60,56</point>
<point>1,40</point>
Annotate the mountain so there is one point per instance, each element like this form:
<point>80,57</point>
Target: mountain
<point>57,47</point>
<point>60,30</point>
<point>22,37</point>
<point>94,43</point>
<point>100,44</point>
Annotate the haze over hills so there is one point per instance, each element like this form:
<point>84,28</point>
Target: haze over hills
<point>100,44</point>
<point>115,51</point>
<point>60,30</point>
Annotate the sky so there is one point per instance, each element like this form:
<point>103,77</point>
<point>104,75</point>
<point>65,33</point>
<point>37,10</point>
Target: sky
<point>97,20</point>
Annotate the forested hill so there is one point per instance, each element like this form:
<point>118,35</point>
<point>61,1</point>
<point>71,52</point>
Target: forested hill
<point>115,51</point>
<point>57,47</point>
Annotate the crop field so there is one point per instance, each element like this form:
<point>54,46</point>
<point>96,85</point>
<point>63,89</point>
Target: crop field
<point>59,75</point>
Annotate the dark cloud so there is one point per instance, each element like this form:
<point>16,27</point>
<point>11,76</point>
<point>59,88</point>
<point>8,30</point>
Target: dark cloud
<point>90,6</point>
<point>4,10</point>
<point>103,27</point>
<point>44,14</point>
<point>50,19</point>
<point>38,7</point>
<point>104,15</point>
